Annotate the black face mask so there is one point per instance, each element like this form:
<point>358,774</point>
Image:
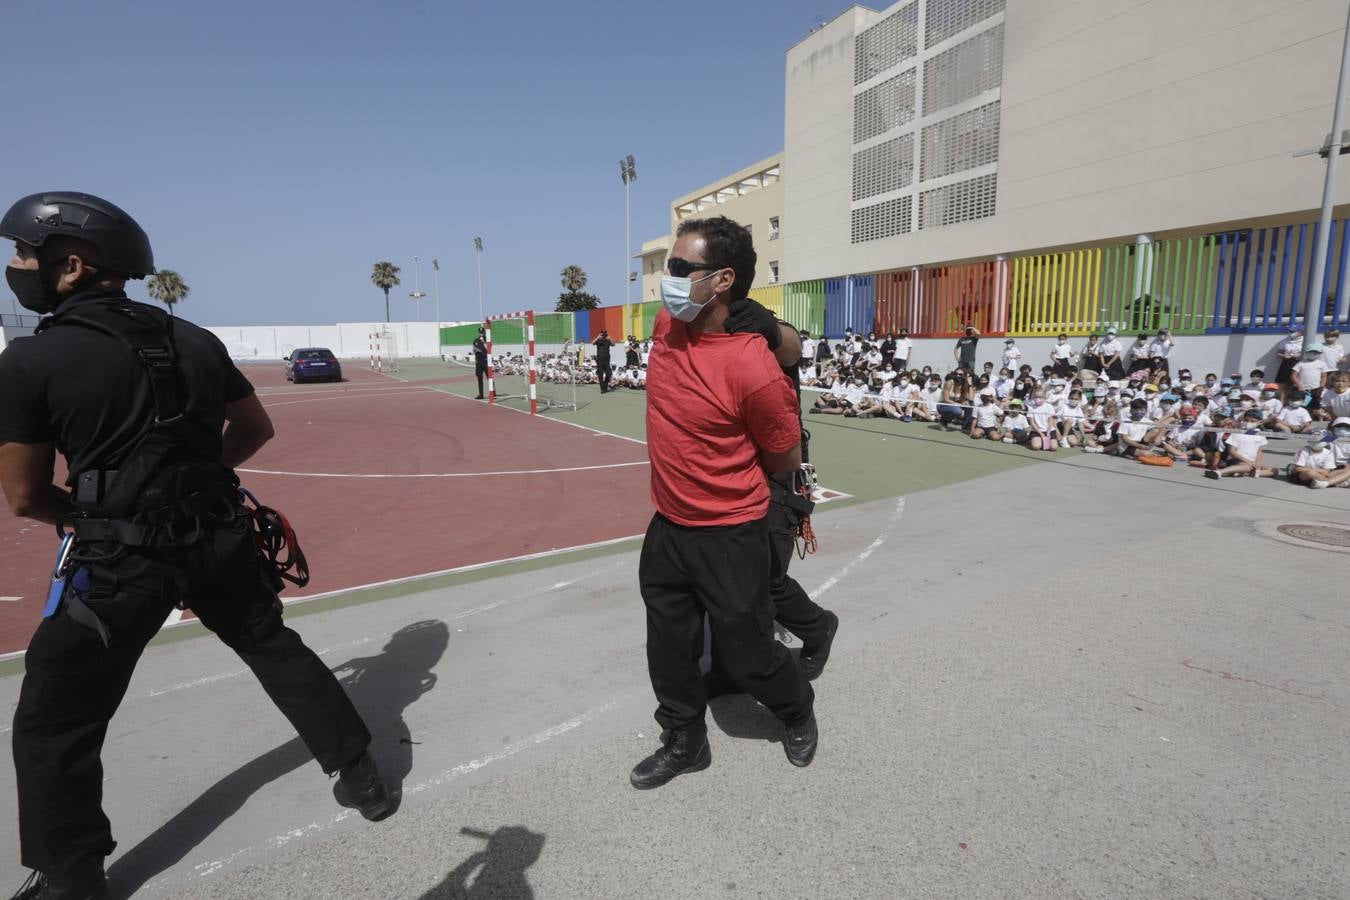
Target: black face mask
<point>32,291</point>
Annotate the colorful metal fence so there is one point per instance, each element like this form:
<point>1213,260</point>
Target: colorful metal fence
<point>952,297</point>
<point>1056,293</point>
<point>897,301</point>
<point>581,325</point>
<point>1263,277</point>
<point>804,305</point>
<point>850,303</point>
<point>771,297</point>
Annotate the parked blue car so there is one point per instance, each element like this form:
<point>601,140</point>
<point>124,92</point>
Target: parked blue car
<point>313,364</point>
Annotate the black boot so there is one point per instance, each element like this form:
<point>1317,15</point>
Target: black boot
<point>88,884</point>
<point>799,740</point>
<point>360,787</point>
<point>684,751</point>
<point>813,659</point>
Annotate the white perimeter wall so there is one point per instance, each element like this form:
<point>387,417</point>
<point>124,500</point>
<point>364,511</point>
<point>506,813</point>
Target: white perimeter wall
<point>347,340</point>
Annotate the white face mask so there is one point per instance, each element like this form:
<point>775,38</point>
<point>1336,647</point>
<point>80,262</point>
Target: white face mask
<point>675,297</point>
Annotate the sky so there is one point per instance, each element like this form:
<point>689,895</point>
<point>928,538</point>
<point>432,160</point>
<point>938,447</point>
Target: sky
<point>274,152</point>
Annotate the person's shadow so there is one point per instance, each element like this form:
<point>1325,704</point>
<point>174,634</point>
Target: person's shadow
<point>381,687</point>
<point>500,867</point>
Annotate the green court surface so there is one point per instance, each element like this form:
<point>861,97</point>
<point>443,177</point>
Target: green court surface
<point>868,459</point>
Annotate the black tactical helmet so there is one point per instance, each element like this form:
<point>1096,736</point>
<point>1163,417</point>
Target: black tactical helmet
<point>123,247</point>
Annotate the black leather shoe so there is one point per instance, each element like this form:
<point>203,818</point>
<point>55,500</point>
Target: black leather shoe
<point>799,741</point>
<point>813,659</point>
<point>360,787</point>
<point>717,683</point>
<point>91,885</point>
<point>683,752</point>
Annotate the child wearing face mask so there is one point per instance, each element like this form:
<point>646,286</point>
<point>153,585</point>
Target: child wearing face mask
<point>1245,456</point>
<point>1340,444</point>
<point>1072,418</point>
<point>1044,425</point>
<point>987,416</point>
<point>1016,426</point>
<point>1315,465</point>
<point>1183,439</point>
<point>1134,431</point>
<point>1295,418</point>
<point>930,396</point>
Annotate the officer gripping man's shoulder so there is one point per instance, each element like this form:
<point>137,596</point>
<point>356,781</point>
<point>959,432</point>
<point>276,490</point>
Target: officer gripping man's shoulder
<point>152,417</point>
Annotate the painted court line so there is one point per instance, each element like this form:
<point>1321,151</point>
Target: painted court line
<point>442,474</point>
<point>862,557</point>
<point>280,841</point>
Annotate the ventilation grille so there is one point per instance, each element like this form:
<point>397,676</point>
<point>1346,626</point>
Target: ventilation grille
<point>948,17</point>
<point>883,107</point>
<point>888,43</point>
<point>966,70</point>
<point>885,167</point>
<point>962,142</point>
<point>964,201</point>
<point>882,220</point>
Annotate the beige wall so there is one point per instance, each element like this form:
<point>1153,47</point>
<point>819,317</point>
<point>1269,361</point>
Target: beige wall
<point>653,266</point>
<point>754,209</point>
<point>1172,115</point>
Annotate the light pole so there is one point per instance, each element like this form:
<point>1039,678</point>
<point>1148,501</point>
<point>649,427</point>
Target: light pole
<point>478,261</point>
<point>1312,308</point>
<point>417,293</point>
<point>628,172</point>
<point>436,289</point>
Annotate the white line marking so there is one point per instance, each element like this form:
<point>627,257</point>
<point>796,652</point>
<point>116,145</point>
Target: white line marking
<point>10,599</point>
<point>281,840</point>
<point>443,474</point>
<point>861,557</point>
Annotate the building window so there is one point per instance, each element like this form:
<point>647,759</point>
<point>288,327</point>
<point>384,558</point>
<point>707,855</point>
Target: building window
<point>882,220</point>
<point>773,228</point>
<point>773,271</point>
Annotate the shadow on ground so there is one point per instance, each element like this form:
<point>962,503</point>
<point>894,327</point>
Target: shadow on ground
<point>381,687</point>
<point>497,871</point>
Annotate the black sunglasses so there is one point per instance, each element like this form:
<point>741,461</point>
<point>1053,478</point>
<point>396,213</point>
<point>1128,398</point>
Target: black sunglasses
<point>683,268</point>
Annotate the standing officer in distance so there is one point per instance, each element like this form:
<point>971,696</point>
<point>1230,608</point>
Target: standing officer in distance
<point>152,418</point>
<point>480,360</point>
<point>603,370</point>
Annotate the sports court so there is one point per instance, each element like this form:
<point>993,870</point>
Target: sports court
<point>1057,675</point>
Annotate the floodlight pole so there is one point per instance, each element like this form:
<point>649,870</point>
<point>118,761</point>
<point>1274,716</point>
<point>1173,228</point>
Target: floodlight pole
<point>1312,308</point>
<point>478,260</point>
<point>417,293</point>
<point>628,172</point>
<point>436,291</point>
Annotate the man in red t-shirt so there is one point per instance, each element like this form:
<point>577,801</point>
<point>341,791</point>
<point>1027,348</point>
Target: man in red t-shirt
<point>720,415</point>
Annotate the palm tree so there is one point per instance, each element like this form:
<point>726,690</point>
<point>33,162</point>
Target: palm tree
<point>573,279</point>
<point>385,276</point>
<point>168,287</point>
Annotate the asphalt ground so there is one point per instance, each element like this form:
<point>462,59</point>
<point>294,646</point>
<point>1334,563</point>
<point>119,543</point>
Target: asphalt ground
<point>1081,677</point>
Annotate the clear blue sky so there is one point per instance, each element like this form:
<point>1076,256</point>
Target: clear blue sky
<point>275,151</point>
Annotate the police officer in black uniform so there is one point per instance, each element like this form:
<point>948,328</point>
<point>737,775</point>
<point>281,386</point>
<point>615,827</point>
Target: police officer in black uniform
<point>794,609</point>
<point>480,360</point>
<point>603,370</point>
<point>151,417</point>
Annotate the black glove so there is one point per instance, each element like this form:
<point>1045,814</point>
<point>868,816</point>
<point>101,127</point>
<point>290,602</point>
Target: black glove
<point>749,317</point>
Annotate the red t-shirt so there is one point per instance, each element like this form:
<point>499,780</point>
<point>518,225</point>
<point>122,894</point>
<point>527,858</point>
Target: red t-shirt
<point>714,401</point>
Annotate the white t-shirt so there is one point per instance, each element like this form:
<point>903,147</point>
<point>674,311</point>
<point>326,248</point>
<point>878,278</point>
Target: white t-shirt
<point>1187,435</point>
<point>1309,373</point>
<point>1160,347</point>
<point>874,357</point>
<point>1015,421</point>
<point>1246,445</point>
<point>1336,404</point>
<point>931,398</point>
<point>903,347</point>
<point>987,415</point>
<point>854,393</point>
<point>1062,351</point>
<point>1295,417</point>
<point>886,394</point>
<point>1109,348</point>
<point>1342,451</point>
<point>1003,387</point>
<point>1272,407</point>
<point>887,375</point>
<point>1011,355</point>
<point>1316,459</point>
<point>1070,414</point>
<point>906,393</point>
<point>1135,430</point>
<point>1139,351</point>
<point>808,348</point>
<point>1041,415</point>
<point>1292,348</point>
<point>807,373</point>
<point>1332,354</point>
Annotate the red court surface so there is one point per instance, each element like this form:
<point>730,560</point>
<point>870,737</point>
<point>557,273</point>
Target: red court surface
<point>385,480</point>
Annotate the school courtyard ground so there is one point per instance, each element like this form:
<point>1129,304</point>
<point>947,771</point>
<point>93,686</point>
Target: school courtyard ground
<point>1057,675</point>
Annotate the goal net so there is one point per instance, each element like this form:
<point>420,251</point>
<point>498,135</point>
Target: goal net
<point>383,351</point>
<point>520,376</point>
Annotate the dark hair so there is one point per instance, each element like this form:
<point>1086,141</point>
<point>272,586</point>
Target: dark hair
<point>729,244</point>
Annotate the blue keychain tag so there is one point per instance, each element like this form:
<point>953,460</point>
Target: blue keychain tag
<point>58,588</point>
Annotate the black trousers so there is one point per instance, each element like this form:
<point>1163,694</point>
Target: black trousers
<point>721,572</point>
<point>605,372</point>
<point>480,369</point>
<point>792,606</point>
<point>74,684</point>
